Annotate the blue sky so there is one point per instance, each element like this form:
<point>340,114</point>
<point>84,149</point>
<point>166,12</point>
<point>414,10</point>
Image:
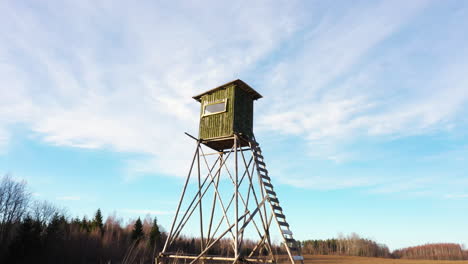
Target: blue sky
<point>363,121</point>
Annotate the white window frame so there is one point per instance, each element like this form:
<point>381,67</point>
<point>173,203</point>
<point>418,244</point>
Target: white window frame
<point>225,101</point>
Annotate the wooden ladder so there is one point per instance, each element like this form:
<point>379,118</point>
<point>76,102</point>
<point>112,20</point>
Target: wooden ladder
<point>292,246</point>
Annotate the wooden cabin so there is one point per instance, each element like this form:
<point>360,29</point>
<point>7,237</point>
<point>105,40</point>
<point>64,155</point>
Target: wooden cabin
<point>226,110</point>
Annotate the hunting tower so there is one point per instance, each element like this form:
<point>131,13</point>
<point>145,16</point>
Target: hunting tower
<point>226,110</point>
<point>232,187</point>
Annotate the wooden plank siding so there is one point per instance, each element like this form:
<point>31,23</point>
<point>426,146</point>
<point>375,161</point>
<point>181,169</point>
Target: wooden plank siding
<point>243,112</point>
<point>238,117</point>
<point>222,124</point>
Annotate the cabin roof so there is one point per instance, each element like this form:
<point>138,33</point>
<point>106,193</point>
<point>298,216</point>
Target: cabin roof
<point>241,84</point>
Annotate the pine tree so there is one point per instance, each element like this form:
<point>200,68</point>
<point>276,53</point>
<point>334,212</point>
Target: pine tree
<point>27,244</point>
<point>85,224</point>
<point>76,222</point>
<point>97,221</point>
<point>137,232</point>
<point>54,238</point>
<point>53,230</point>
<point>155,235</point>
<point>192,245</point>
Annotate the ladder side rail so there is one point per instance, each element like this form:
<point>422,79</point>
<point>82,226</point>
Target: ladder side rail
<point>257,151</point>
<point>239,195</point>
<point>255,197</point>
<point>267,227</point>
<point>230,203</point>
<point>253,144</point>
<point>253,190</point>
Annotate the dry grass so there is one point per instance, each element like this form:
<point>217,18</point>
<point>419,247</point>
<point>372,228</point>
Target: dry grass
<point>312,259</point>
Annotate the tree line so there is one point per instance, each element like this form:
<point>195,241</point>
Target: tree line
<point>440,251</point>
<point>354,245</point>
<point>351,245</point>
<point>39,232</point>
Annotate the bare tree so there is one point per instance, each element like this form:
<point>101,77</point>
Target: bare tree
<point>44,211</point>
<point>14,200</point>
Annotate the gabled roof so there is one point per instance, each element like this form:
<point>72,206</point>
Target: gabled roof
<point>255,95</point>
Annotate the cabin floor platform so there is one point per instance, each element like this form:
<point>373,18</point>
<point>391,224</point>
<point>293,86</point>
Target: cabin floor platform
<point>223,143</point>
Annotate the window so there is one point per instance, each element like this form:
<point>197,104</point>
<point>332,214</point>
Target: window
<point>215,108</point>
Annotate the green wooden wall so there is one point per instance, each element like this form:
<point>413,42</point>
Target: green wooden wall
<point>218,125</point>
<point>243,112</point>
<point>238,117</point>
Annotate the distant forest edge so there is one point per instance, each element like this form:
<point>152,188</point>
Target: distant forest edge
<point>354,245</point>
<point>39,232</point>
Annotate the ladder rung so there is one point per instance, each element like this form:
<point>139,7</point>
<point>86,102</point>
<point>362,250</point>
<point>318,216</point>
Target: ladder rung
<point>261,163</point>
<point>290,240</point>
<point>262,169</point>
<point>298,258</point>
<point>275,200</point>
<point>266,184</point>
<point>280,215</point>
<point>277,208</point>
<point>286,232</point>
<point>266,177</point>
<point>283,223</point>
<point>259,156</point>
<point>271,192</point>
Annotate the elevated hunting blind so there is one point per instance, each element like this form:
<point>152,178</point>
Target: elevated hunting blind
<point>224,215</point>
<point>226,110</point>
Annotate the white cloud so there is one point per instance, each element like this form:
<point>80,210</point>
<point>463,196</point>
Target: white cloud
<point>404,184</point>
<point>121,76</point>
<point>69,198</point>
<point>356,76</point>
<point>125,82</point>
<point>4,138</point>
<point>146,212</point>
<point>456,196</point>
<point>359,78</point>
<point>337,89</point>
<point>334,182</point>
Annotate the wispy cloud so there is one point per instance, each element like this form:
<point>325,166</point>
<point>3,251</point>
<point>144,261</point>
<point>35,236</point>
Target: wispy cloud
<point>125,82</point>
<point>363,78</point>
<point>329,182</point>
<point>456,196</point>
<point>69,198</point>
<point>404,185</point>
<point>4,138</point>
<point>146,211</point>
<point>330,75</point>
<point>340,84</point>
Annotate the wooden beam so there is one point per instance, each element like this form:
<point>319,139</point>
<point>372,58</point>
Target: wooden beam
<point>196,139</point>
<point>219,258</point>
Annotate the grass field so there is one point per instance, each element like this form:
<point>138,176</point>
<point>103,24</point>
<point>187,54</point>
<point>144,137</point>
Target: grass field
<point>312,259</point>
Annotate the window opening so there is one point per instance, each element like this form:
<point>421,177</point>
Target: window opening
<point>215,108</point>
